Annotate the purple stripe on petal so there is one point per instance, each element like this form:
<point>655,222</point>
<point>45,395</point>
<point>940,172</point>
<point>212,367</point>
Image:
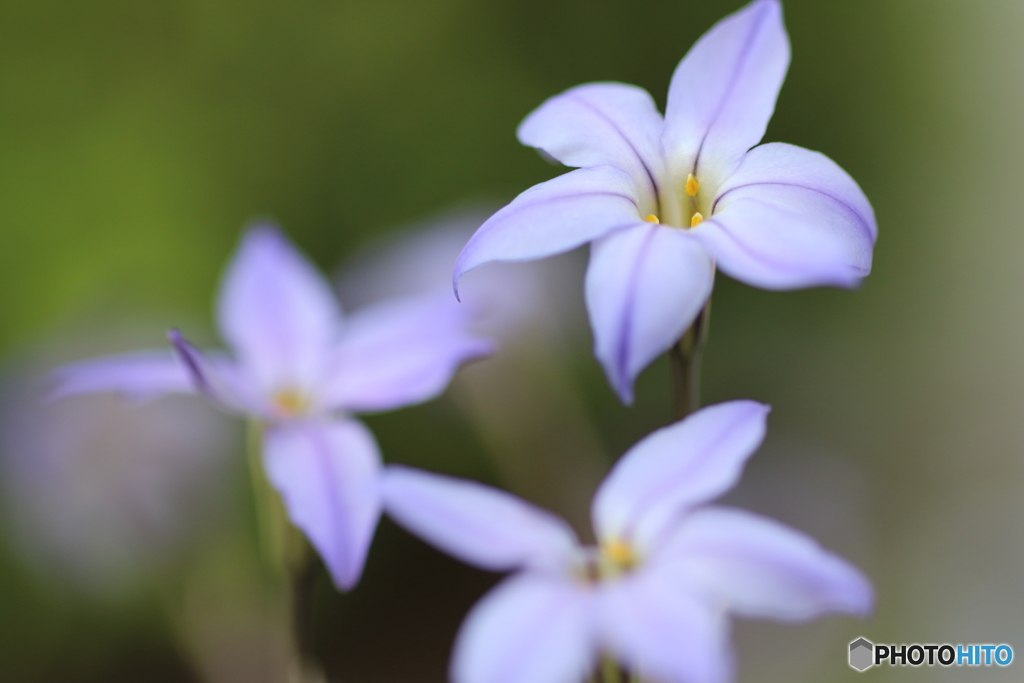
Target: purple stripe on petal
<point>644,286</point>
<point>723,92</point>
<point>328,474</point>
<point>786,238</point>
<point>601,124</point>
<point>867,227</point>
<point>733,80</point>
<point>652,183</point>
<point>192,361</point>
<point>553,217</point>
<point>782,165</point>
<point>790,217</point>
<point>675,468</point>
<point>219,380</point>
<point>760,568</point>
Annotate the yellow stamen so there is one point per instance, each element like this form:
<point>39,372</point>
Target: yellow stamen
<point>692,186</point>
<point>652,219</point>
<point>620,553</point>
<point>696,220</point>
<point>289,402</point>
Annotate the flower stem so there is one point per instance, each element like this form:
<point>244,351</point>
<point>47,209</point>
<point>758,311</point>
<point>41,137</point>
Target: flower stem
<point>269,529</point>
<point>286,555</point>
<point>610,672</point>
<point>685,357</point>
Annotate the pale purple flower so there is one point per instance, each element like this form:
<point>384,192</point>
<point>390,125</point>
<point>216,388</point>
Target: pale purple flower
<point>663,200</point>
<point>302,368</point>
<point>103,494</point>
<point>520,399</point>
<point>515,303</point>
<point>656,591</point>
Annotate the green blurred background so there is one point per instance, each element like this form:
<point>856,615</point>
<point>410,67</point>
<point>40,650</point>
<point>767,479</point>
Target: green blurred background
<point>137,139</point>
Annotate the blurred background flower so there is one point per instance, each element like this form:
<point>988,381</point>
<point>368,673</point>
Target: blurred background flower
<point>522,402</point>
<point>106,502</point>
<point>138,139</point>
<point>102,490</point>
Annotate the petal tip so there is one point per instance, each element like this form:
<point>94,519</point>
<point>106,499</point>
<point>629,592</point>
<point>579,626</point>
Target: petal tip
<point>188,356</point>
<point>461,267</point>
<point>618,376</point>
<point>456,275</point>
<point>482,347</point>
<point>55,386</point>
<point>344,581</point>
<point>861,601</point>
<point>263,229</point>
<point>767,6</point>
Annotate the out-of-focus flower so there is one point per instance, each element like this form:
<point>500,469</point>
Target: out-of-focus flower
<point>301,368</point>
<point>667,570</point>
<point>524,403</point>
<point>663,200</point>
<point>101,493</point>
<point>515,303</point>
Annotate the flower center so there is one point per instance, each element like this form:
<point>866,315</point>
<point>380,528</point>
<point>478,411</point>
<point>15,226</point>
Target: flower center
<point>289,402</point>
<point>620,554</point>
<point>683,209</point>
<point>613,559</point>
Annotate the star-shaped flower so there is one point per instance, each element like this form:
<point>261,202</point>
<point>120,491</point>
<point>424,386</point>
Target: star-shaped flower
<point>301,368</point>
<point>655,592</point>
<point>663,200</point>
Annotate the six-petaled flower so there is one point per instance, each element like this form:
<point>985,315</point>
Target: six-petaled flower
<point>301,368</point>
<point>663,200</point>
<point>655,591</point>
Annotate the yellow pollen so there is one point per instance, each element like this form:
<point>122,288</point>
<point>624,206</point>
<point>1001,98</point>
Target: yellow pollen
<point>620,553</point>
<point>692,186</point>
<point>289,402</point>
<point>652,219</point>
<point>696,220</point>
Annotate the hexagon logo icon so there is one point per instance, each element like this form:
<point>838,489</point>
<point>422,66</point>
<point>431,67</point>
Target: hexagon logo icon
<point>862,654</point>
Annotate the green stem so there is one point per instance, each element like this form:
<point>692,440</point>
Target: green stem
<point>685,357</point>
<point>610,672</point>
<point>286,555</point>
<point>267,527</point>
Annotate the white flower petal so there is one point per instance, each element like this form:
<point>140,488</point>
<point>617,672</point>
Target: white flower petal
<point>757,567</point>
<point>530,629</point>
<point>645,284</point>
<point>328,474</point>
<point>554,217</point>
<point>277,312</point>
<point>141,376</point>
<point>723,92</point>
<point>676,468</point>
<point>400,352</point>
<point>601,124</point>
<point>662,632</point>
<point>790,217</point>
<point>478,524</point>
